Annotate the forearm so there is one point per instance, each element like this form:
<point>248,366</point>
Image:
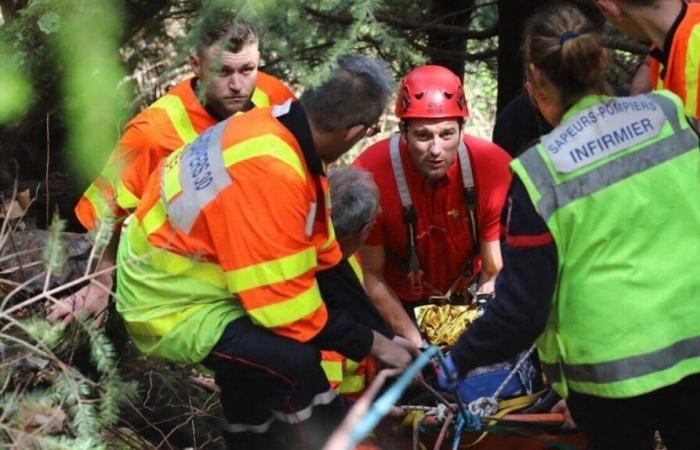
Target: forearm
<point>108,259</point>
<point>341,290</point>
<point>390,308</point>
<point>514,319</point>
<point>524,290</point>
<point>492,261</point>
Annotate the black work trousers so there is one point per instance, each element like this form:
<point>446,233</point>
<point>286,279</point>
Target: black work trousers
<point>629,423</point>
<point>274,393</point>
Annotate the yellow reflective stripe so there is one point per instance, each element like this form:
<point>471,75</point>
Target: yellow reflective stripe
<point>124,197</point>
<point>177,113</point>
<point>331,235</point>
<point>692,66</point>
<point>288,311</point>
<point>271,272</point>
<point>155,218</point>
<point>659,80</point>
<point>351,366</point>
<point>265,145</point>
<point>357,268</point>
<point>160,326</point>
<point>333,370</point>
<point>171,175</point>
<point>260,99</point>
<point>352,384</point>
<point>173,263</point>
<point>98,201</point>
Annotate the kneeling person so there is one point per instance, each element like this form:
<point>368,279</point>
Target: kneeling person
<point>355,204</point>
<point>221,262</point>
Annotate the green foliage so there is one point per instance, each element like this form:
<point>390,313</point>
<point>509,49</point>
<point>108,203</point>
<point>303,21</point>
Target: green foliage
<point>39,330</point>
<point>85,420</point>
<point>16,95</point>
<point>54,252</point>
<point>102,351</point>
<point>66,396</point>
<point>115,393</point>
<point>49,22</point>
<point>93,71</point>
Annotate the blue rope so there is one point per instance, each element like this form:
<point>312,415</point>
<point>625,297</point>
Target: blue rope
<point>471,422</point>
<point>466,421</point>
<point>383,404</point>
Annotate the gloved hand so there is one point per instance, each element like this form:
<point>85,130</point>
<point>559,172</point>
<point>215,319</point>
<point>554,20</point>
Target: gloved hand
<point>450,380</point>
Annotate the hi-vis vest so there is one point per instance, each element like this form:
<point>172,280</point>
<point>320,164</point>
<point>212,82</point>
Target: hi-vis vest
<point>682,71</point>
<point>177,118</point>
<point>616,183</point>
<point>175,293</point>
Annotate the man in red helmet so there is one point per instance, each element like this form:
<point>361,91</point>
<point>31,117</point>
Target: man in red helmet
<point>442,193</point>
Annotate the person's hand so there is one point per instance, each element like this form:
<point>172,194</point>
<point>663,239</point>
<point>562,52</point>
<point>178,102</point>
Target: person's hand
<point>448,381</point>
<point>414,337</point>
<point>562,408</point>
<point>389,353</point>
<point>409,346</point>
<point>92,300</point>
<point>487,288</point>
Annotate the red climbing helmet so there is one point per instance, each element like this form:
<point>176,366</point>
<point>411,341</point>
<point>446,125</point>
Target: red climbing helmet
<point>431,92</point>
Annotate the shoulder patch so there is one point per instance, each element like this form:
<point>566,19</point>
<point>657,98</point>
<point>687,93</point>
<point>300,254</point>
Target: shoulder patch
<point>602,130</point>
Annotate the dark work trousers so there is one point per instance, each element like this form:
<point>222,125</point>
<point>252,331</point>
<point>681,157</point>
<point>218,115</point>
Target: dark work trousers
<point>629,423</point>
<point>274,393</point>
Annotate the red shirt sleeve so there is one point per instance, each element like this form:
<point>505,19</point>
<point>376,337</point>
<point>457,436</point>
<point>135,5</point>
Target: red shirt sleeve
<point>492,177</point>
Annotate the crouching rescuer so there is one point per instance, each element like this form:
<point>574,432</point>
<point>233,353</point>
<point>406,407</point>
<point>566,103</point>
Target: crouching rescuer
<point>223,261</point>
<point>354,209</point>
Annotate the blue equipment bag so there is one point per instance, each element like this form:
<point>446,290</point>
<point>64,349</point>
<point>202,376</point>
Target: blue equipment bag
<point>484,381</point>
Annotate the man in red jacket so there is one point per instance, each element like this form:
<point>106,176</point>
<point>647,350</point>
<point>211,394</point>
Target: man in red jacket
<point>442,192</point>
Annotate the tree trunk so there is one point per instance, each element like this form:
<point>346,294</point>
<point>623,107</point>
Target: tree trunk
<point>512,17</point>
<point>8,9</point>
<point>510,62</point>
<point>453,47</point>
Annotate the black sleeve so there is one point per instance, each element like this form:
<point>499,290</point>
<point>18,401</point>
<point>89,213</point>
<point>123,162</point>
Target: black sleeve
<point>351,314</point>
<point>344,335</point>
<point>524,289</point>
<point>519,124</point>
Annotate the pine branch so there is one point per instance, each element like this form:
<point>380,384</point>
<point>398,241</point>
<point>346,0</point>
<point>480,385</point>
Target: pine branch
<point>346,19</point>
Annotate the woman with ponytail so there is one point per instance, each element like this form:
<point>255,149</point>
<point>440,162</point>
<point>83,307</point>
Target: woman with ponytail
<point>601,238</point>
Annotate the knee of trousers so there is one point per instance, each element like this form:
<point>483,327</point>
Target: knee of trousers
<point>305,364</point>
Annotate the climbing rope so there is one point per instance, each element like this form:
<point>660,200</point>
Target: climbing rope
<point>488,406</point>
<point>467,418</point>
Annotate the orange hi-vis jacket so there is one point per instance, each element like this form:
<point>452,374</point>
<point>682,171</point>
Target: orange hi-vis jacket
<point>236,223</point>
<point>346,376</point>
<point>680,73</point>
<point>176,119</point>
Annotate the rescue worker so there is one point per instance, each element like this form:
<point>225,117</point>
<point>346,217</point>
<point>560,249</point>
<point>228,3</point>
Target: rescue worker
<point>442,192</point>
<point>596,253</point>
<point>226,81</point>
<point>354,208</point>
<point>222,261</point>
<point>671,27</point>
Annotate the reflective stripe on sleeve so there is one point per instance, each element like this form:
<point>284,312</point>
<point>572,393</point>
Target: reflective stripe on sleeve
<point>288,311</point>
<point>271,272</point>
<point>177,113</point>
